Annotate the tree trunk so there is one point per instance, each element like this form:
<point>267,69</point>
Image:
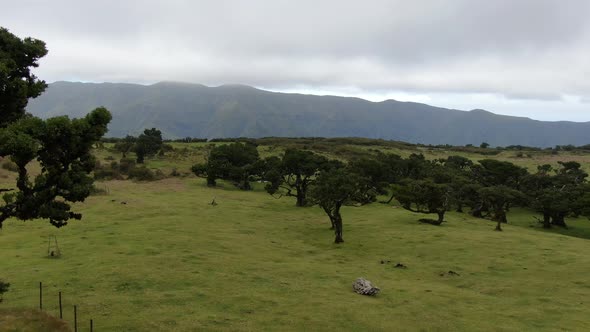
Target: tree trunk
<point>301,201</point>
<point>546,220</point>
<point>500,216</point>
<point>559,220</point>
<point>390,198</point>
<point>338,227</point>
<point>477,211</point>
<point>441,216</point>
<point>499,226</point>
<point>211,182</point>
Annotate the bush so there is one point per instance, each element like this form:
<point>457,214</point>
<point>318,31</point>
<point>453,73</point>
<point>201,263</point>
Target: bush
<point>174,172</point>
<point>107,174</point>
<point>142,174</point>
<point>126,165</point>
<point>10,166</point>
<point>3,288</point>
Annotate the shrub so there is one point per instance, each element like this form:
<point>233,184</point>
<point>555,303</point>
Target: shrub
<point>10,166</point>
<point>3,288</point>
<point>107,174</point>
<point>141,174</point>
<point>174,172</point>
<point>126,165</point>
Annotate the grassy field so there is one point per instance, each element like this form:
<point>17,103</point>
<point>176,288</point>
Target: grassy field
<point>167,260</point>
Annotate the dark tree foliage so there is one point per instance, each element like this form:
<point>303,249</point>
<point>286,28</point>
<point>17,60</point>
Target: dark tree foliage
<point>61,146</point>
<point>17,83</point>
<point>331,190</point>
<point>63,149</point>
<point>414,167</point>
<point>491,172</point>
<point>457,172</point>
<point>148,144</point>
<point>499,198</point>
<point>293,174</point>
<point>556,194</point>
<point>377,175</point>
<point>235,162</point>
<point>425,196</point>
<point>3,288</point>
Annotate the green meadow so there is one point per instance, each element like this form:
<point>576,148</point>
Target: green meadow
<point>168,260</point>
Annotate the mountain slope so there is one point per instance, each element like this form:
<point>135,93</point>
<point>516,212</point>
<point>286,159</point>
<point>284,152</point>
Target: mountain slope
<point>180,110</point>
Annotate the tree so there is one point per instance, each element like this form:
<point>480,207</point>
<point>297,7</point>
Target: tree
<point>425,196</point>
<point>61,146</point>
<point>125,145</point>
<point>293,174</point>
<point>556,195</point>
<point>148,144</point>
<point>63,149</point>
<point>234,162</point>
<point>17,83</point>
<point>499,198</point>
<point>331,190</point>
<point>378,177</point>
<point>484,145</point>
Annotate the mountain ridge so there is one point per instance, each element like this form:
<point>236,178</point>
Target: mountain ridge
<point>233,110</point>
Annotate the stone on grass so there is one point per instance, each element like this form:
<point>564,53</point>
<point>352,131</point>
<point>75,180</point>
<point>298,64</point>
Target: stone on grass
<point>364,287</point>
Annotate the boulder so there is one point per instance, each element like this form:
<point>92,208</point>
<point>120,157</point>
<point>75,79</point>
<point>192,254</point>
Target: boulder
<point>364,287</point>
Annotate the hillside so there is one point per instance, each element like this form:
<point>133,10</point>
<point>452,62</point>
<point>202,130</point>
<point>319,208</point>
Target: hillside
<point>181,110</point>
<point>167,260</point>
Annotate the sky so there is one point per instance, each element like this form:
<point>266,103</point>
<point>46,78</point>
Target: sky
<point>523,58</point>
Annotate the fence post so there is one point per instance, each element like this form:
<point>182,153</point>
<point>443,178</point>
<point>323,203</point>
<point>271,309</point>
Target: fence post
<point>60,308</point>
<point>40,295</point>
<point>91,327</point>
<point>75,319</point>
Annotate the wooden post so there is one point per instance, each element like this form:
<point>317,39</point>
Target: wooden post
<point>91,327</point>
<point>75,319</point>
<point>40,295</point>
<point>61,316</point>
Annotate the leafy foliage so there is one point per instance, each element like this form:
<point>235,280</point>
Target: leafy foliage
<point>61,146</point>
<point>235,162</point>
<point>17,83</point>
<point>296,171</point>
<point>63,149</point>
<point>147,144</point>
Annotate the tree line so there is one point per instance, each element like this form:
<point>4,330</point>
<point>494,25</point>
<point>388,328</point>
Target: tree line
<point>488,188</point>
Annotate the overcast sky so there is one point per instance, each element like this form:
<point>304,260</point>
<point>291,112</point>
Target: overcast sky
<point>518,57</point>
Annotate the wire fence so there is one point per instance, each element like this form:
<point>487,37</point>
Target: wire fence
<point>53,301</point>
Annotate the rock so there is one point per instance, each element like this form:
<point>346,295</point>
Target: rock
<point>364,287</point>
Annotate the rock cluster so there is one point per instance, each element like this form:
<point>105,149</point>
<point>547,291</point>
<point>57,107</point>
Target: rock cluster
<point>364,287</point>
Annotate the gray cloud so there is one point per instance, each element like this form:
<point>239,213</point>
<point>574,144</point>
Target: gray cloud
<point>531,49</point>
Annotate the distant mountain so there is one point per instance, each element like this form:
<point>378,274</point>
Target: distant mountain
<point>180,110</point>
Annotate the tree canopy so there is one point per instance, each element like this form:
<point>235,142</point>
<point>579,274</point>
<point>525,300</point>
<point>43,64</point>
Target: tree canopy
<point>17,83</point>
<point>234,162</point>
<point>60,145</point>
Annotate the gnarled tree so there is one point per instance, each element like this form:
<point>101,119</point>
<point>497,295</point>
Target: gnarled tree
<point>293,174</point>
<point>61,146</point>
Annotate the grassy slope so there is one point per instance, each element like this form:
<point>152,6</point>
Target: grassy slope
<point>28,320</point>
<point>169,261</point>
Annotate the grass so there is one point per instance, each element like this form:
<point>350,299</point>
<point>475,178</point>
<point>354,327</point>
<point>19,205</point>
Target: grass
<point>167,260</point>
<point>28,320</point>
